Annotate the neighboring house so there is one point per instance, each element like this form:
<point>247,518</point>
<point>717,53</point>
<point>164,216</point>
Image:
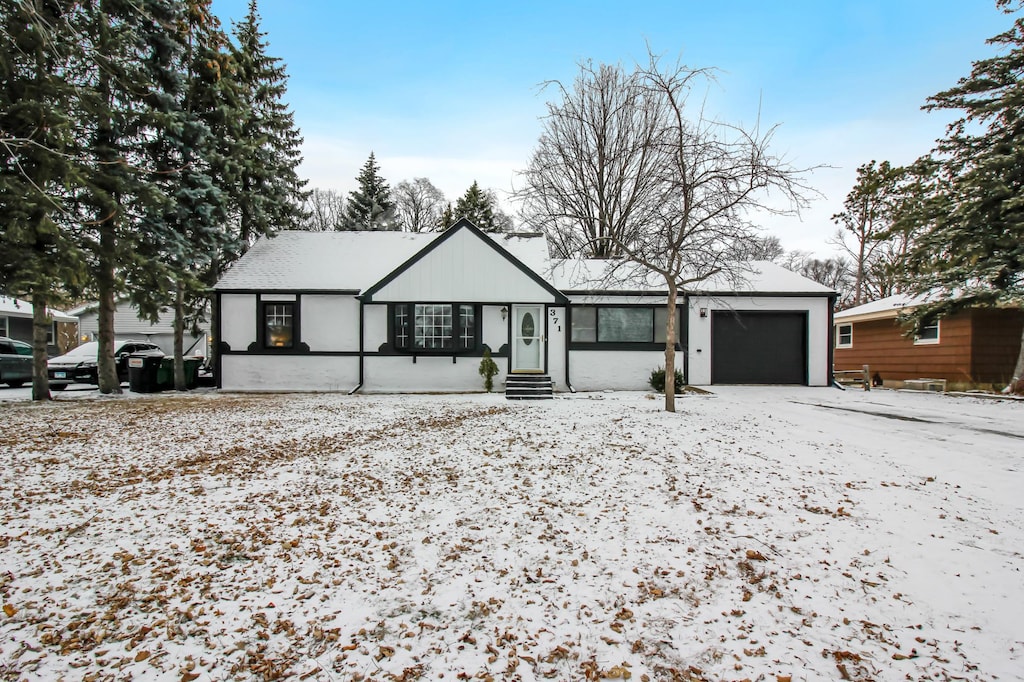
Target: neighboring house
<point>973,348</point>
<point>16,323</point>
<point>128,326</point>
<point>394,312</point>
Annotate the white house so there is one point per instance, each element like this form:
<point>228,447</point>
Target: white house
<point>401,312</point>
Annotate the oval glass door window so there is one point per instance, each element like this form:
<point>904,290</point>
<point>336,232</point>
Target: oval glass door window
<point>528,328</point>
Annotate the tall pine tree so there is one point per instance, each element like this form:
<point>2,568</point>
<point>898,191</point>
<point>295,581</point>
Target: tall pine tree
<point>267,194</point>
<point>970,250</point>
<point>129,90</point>
<point>480,207</point>
<point>39,258</point>
<point>370,207</point>
<point>189,163</point>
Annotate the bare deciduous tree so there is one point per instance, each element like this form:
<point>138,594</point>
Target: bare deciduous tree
<point>420,205</point>
<point>592,180</point>
<point>834,273</point>
<point>767,248</point>
<point>325,208</point>
<point>713,178</point>
<point>690,188</point>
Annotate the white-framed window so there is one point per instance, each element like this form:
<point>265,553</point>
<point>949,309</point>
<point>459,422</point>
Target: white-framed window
<point>51,333</point>
<point>844,336</point>
<point>929,333</point>
<point>3,326</point>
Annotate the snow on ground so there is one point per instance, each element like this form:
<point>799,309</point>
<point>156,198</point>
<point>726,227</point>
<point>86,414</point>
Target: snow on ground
<point>758,533</point>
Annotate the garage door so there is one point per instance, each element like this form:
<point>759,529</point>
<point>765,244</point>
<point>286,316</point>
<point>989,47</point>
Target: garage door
<point>758,347</point>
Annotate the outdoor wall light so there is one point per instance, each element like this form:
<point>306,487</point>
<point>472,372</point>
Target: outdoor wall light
<point>703,312</point>
<point>504,313</point>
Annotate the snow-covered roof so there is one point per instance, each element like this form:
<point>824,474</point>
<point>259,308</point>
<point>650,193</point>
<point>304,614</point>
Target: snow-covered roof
<point>760,277</point>
<point>13,307</point>
<point>322,261</point>
<point>890,306</point>
<point>350,261</point>
<point>531,249</point>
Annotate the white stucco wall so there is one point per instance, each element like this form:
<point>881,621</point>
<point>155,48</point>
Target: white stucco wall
<point>817,331</point>
<point>494,331</point>
<point>464,268</point>
<point>375,327</point>
<point>399,374</point>
<point>598,370</point>
<point>329,322</point>
<point>556,338</point>
<point>238,320</point>
<point>289,372</point>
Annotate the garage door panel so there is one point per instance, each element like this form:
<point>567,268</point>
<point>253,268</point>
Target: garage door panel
<point>758,347</point>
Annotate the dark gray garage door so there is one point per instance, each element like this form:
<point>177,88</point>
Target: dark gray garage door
<point>758,347</point>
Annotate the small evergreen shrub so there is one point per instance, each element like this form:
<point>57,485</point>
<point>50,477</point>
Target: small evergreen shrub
<point>657,380</point>
<point>488,369</point>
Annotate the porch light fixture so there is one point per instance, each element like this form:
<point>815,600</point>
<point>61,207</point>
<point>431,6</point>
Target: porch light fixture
<point>703,312</point>
<point>504,313</point>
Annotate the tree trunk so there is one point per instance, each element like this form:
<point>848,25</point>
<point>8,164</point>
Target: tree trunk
<point>1017,383</point>
<point>670,348</point>
<point>179,337</point>
<point>40,323</point>
<point>106,365</point>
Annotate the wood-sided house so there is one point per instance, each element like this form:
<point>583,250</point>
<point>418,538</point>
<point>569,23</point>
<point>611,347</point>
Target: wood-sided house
<point>973,348</point>
<point>401,312</point>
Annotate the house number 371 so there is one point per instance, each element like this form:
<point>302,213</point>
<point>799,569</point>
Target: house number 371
<point>553,314</point>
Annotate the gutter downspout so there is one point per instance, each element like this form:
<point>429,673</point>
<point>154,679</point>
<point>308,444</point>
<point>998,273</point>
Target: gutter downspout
<point>361,335</point>
<point>832,342</point>
<point>684,340</point>
<point>218,361</point>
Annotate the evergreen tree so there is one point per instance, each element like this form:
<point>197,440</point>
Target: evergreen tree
<point>191,217</point>
<point>370,207</point>
<point>267,193</point>
<point>970,251</point>
<point>447,218</point>
<point>866,217</point>
<point>39,259</point>
<point>481,209</point>
<point>129,87</point>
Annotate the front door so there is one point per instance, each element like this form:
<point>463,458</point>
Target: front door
<point>527,338</point>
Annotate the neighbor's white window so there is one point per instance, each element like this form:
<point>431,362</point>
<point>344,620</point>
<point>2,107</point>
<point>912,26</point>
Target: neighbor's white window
<point>3,326</point>
<point>929,333</point>
<point>844,336</point>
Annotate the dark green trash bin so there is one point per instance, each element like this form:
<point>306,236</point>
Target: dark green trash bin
<point>153,372</point>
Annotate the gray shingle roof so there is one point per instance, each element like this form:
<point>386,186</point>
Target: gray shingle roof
<point>342,261</point>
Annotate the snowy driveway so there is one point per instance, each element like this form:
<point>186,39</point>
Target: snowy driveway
<point>757,533</point>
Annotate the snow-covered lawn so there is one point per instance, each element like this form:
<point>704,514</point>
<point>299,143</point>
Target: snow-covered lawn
<point>761,533</point>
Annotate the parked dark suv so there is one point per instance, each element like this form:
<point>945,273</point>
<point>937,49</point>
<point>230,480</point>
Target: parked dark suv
<point>15,362</point>
<point>79,364</point>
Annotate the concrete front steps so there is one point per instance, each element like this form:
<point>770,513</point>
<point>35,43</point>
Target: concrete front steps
<point>529,387</point>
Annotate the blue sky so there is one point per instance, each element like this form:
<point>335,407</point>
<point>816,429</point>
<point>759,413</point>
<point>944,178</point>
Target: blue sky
<point>451,90</point>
